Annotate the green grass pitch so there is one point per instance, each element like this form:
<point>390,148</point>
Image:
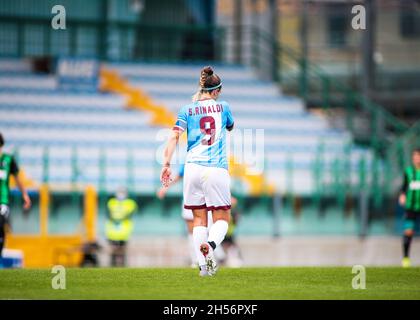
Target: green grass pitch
<point>185,284</point>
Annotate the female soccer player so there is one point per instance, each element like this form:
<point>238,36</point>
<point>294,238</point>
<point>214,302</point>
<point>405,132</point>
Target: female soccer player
<point>206,179</point>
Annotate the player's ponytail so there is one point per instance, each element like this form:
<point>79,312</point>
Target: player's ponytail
<point>208,80</point>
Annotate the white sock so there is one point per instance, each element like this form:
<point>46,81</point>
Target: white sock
<point>218,232</point>
<point>209,219</point>
<point>199,237</point>
<point>193,256</point>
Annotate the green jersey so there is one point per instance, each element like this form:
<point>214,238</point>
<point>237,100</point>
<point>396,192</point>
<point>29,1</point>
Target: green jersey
<point>8,166</point>
<point>411,188</point>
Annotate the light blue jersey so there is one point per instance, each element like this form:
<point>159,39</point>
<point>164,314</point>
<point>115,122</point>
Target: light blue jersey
<point>206,122</point>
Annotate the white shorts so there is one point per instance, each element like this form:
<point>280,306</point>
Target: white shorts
<point>206,187</point>
<point>187,214</point>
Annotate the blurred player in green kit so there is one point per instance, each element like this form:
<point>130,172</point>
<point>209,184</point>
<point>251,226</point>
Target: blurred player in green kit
<point>410,200</point>
<point>8,167</point>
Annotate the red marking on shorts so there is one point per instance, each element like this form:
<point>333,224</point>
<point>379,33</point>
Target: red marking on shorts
<point>201,206</point>
<point>219,207</point>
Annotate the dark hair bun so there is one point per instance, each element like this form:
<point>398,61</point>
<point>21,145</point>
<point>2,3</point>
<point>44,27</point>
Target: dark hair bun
<point>208,71</point>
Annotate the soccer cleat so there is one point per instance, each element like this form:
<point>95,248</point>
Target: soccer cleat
<point>207,252</point>
<point>204,273</point>
<point>406,262</point>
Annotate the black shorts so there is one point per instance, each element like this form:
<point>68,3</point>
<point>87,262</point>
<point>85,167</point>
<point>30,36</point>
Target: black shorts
<point>410,219</point>
<point>411,215</point>
<point>4,215</point>
<point>118,243</point>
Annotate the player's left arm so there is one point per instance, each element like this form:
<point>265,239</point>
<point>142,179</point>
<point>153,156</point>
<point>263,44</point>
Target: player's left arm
<point>229,118</point>
<point>14,170</point>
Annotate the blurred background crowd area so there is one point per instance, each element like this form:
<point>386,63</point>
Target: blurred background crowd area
<point>86,106</point>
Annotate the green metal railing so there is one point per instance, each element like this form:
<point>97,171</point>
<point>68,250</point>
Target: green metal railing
<point>334,176</point>
<point>297,74</point>
<point>333,196</point>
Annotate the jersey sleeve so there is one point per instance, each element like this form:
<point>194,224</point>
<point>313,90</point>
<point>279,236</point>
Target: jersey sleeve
<point>14,169</point>
<point>181,121</point>
<point>229,118</point>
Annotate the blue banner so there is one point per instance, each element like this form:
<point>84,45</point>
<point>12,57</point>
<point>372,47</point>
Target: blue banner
<point>77,74</point>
